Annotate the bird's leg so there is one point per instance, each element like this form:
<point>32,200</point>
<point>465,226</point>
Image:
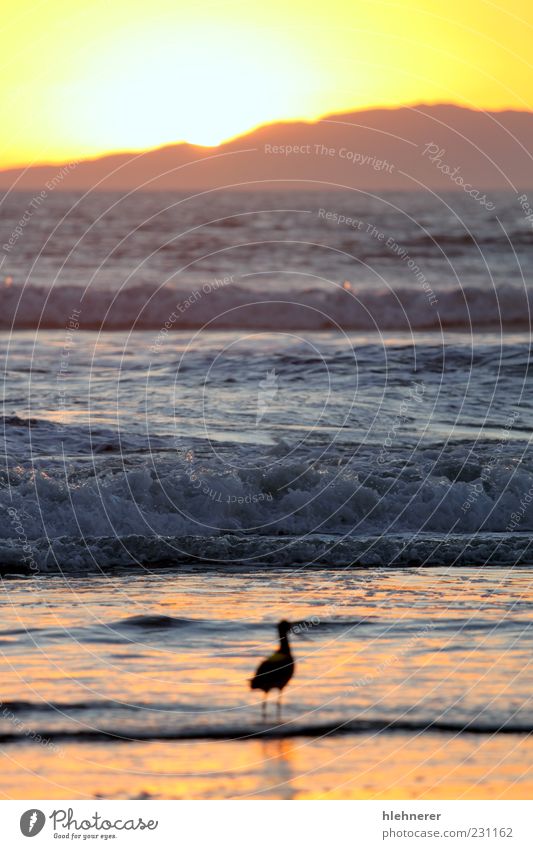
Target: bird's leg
<point>265,706</point>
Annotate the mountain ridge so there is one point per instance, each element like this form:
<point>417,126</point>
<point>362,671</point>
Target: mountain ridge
<point>341,150</point>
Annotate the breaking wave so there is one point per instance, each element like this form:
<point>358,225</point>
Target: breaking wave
<point>438,507</point>
<point>229,306</point>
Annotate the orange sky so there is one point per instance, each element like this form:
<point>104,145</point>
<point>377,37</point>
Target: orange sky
<point>88,77</point>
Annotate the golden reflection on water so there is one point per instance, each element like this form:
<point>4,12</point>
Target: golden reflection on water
<point>395,766</point>
<point>432,640</point>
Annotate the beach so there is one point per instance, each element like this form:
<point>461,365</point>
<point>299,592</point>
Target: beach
<point>194,453</point>
<point>410,683</point>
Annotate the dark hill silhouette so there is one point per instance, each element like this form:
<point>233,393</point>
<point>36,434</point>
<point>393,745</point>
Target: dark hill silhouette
<point>375,150</point>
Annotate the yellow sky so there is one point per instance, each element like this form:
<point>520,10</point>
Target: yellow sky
<point>85,77</point>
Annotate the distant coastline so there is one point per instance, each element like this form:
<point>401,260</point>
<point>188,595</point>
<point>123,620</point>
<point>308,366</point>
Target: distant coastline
<point>372,149</point>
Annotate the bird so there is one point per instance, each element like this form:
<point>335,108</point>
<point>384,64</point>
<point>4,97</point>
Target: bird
<point>276,671</point>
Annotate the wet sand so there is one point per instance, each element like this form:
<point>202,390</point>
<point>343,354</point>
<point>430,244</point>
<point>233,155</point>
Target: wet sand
<point>443,655</point>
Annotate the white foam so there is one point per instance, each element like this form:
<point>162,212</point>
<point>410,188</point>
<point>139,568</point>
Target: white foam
<point>94,514</point>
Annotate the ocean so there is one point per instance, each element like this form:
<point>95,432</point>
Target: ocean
<point>225,410</point>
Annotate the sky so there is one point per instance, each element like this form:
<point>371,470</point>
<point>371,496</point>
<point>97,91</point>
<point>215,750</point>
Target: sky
<point>81,78</point>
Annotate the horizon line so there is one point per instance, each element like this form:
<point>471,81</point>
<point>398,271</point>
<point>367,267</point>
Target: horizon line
<point>327,116</point>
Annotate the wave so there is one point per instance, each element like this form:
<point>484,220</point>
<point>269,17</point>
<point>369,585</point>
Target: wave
<point>141,307</point>
<point>282,731</point>
<point>437,507</point>
<point>22,707</point>
<point>489,240</point>
<point>92,555</point>
<point>153,622</point>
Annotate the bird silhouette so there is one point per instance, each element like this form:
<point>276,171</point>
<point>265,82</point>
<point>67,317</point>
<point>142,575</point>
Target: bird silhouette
<point>276,671</point>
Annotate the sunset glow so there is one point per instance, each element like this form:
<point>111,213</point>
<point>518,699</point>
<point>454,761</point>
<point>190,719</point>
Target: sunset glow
<point>90,78</point>
<point>267,497</point>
